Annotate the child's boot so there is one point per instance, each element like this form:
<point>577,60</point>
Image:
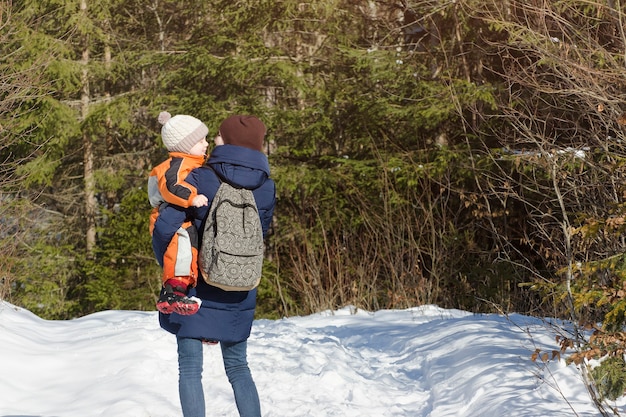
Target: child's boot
<point>174,299</point>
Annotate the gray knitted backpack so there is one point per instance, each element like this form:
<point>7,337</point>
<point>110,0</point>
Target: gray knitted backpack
<point>231,253</point>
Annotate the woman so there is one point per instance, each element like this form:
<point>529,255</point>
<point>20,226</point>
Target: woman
<point>224,316</point>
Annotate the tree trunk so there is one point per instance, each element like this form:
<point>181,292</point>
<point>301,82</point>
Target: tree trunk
<point>88,173</point>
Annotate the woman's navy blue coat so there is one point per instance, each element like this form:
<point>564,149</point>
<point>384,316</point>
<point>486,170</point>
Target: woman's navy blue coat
<point>224,315</point>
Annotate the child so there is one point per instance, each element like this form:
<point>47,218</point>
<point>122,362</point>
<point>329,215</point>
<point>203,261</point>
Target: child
<point>185,139</point>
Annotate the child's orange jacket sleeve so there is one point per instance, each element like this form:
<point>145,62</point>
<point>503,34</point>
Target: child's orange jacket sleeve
<point>167,180</point>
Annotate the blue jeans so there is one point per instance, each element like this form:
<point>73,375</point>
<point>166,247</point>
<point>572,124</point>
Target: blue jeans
<point>236,365</point>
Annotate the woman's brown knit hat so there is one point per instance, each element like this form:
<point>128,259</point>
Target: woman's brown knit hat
<point>241,130</point>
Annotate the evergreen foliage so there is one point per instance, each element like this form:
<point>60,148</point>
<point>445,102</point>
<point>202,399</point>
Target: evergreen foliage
<point>611,377</point>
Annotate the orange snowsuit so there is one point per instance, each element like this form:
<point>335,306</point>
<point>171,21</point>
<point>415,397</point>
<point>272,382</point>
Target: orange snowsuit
<point>166,184</point>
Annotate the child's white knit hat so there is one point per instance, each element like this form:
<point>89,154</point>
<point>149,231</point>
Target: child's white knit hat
<point>181,132</point>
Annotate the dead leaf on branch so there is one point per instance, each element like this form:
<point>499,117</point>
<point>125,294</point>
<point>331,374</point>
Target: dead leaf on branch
<point>545,356</point>
<point>535,355</point>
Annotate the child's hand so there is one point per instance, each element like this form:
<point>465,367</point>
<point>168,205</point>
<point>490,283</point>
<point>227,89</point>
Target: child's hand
<point>199,201</point>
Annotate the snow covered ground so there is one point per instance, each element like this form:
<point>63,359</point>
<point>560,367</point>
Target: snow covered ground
<point>421,362</point>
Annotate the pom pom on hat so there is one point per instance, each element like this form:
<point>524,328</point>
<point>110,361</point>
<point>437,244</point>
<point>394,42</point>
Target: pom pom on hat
<point>164,117</point>
<point>181,132</point>
<point>241,130</point>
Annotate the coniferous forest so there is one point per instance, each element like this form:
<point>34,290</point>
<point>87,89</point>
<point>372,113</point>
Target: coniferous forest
<point>464,153</point>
